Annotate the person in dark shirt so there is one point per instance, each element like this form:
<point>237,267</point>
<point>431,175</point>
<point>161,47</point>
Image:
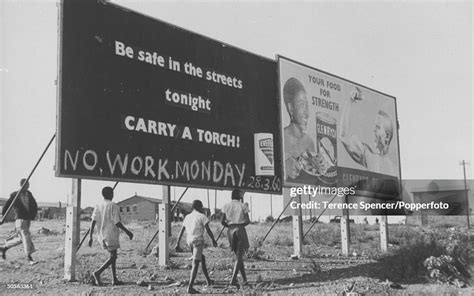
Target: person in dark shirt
<point>25,209</point>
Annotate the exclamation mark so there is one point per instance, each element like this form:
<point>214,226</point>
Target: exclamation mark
<point>238,142</point>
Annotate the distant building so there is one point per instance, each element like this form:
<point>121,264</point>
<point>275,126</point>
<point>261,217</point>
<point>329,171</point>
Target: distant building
<point>146,208</point>
<point>46,210</point>
<point>139,208</point>
<point>86,213</point>
<point>3,201</point>
<point>9,218</point>
<point>452,193</point>
<point>51,210</point>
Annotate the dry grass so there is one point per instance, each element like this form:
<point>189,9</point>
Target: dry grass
<point>268,262</point>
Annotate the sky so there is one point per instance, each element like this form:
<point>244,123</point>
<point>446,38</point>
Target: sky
<point>418,52</point>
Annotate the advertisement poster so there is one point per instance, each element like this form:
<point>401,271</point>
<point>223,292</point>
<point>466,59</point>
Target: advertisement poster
<point>337,133</point>
<point>144,101</point>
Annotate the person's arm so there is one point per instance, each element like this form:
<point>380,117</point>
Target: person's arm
<point>354,147</point>
<point>117,220</point>
<point>91,230</point>
<point>224,220</point>
<point>247,219</point>
<point>180,235</point>
<point>209,232</point>
<point>128,232</point>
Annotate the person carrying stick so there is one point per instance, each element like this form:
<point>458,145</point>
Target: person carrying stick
<point>195,223</point>
<point>107,217</point>
<point>25,208</point>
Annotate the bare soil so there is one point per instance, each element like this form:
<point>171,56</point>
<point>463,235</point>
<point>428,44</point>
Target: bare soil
<point>322,270</point>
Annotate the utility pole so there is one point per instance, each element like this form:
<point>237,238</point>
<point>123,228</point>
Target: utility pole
<point>464,163</point>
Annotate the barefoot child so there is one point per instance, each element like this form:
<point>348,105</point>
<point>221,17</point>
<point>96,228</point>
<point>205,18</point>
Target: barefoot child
<point>195,223</point>
<point>235,216</point>
<point>107,217</point>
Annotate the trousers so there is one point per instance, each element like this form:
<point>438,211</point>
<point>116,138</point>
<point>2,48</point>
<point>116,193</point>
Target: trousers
<point>22,234</point>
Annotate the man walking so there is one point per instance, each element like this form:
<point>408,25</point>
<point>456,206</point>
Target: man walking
<point>25,208</point>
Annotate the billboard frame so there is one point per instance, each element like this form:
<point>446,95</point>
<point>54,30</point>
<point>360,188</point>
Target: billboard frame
<point>278,57</point>
<point>59,92</point>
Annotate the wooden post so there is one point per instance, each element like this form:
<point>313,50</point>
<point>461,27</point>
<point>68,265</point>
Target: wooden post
<point>163,228</point>
<point>345,230</point>
<point>208,204</point>
<point>383,233</point>
<point>271,205</point>
<point>251,209</point>
<point>73,228</point>
<point>298,230</point>
<point>215,203</point>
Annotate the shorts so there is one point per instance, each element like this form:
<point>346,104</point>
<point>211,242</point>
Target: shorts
<point>110,247</point>
<point>196,248</point>
<point>238,239</point>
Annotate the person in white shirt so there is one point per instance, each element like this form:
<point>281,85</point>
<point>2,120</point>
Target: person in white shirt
<point>107,218</point>
<point>235,216</point>
<point>195,223</point>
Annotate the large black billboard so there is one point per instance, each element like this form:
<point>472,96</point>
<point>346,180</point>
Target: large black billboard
<point>144,101</point>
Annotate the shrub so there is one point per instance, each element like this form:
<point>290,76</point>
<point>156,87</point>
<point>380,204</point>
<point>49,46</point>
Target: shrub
<point>406,263</point>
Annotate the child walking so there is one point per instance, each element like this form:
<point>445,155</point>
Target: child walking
<point>107,218</point>
<point>195,223</point>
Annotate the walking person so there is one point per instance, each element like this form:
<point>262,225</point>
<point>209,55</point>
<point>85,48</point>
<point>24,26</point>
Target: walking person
<point>107,218</point>
<point>194,224</point>
<point>25,208</point>
<point>235,216</point>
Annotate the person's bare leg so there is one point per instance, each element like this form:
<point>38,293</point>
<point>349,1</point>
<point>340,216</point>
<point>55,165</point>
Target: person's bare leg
<point>115,280</point>
<point>96,274</point>
<point>204,271</point>
<point>235,272</point>
<point>192,278</point>
<point>241,268</point>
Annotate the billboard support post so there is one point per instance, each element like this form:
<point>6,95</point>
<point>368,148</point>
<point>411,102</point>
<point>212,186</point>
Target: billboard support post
<point>298,231</point>
<point>468,209</point>
<point>345,229</point>
<point>383,233</point>
<point>72,231</point>
<point>163,238</point>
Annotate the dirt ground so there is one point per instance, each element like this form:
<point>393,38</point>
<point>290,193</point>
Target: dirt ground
<point>322,271</point>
